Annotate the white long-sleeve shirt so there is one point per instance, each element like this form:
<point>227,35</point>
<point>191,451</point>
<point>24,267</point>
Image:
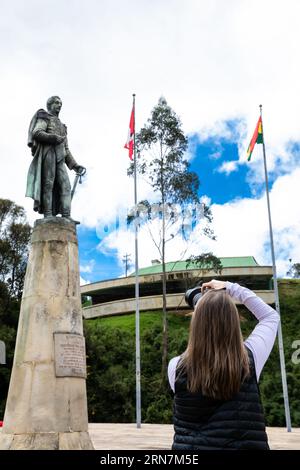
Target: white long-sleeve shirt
<point>262,338</point>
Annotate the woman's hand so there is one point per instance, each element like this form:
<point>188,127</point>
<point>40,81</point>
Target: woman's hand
<point>213,284</point>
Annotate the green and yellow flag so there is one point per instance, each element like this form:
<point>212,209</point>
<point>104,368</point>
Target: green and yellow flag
<point>257,138</point>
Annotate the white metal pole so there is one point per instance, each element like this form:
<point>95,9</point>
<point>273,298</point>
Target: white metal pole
<point>137,310</point>
<point>277,305</point>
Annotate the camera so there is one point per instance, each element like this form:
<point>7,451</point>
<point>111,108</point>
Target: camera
<point>193,295</point>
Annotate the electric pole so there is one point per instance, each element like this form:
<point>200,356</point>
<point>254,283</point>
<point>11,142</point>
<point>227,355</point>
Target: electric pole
<point>126,261</point>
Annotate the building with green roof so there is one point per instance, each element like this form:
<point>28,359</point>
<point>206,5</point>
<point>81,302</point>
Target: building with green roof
<point>117,296</point>
<point>227,262</point>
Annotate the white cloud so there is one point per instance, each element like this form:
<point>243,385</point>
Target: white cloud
<point>89,267</point>
<point>215,155</point>
<point>83,281</point>
<point>213,61</point>
<point>228,167</point>
<point>205,200</point>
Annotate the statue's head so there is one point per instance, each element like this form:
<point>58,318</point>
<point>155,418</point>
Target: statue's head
<point>54,105</point>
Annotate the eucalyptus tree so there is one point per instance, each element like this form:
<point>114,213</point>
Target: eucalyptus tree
<point>294,270</point>
<point>161,147</point>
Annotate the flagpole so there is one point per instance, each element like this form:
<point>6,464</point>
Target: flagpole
<point>279,333</point>
<point>137,310</point>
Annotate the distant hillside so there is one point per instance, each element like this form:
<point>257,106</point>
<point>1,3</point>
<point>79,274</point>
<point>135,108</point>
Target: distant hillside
<point>111,363</point>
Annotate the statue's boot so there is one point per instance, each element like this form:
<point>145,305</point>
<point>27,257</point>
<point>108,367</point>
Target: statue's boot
<point>47,200</point>
<point>66,206</point>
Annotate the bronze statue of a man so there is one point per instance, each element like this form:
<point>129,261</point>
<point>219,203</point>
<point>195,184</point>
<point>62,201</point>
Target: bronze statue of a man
<point>48,182</point>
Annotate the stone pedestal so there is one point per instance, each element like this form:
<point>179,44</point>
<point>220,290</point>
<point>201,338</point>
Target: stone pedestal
<point>47,405</point>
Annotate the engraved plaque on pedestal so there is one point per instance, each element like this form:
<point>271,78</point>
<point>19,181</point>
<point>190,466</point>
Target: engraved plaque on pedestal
<point>69,351</point>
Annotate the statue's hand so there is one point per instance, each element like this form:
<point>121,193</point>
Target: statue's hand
<point>59,138</point>
<point>80,170</point>
<point>50,139</point>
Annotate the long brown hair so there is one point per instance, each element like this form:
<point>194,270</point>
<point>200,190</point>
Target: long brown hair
<point>216,360</point>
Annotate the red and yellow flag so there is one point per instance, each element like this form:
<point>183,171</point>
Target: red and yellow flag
<point>257,138</point>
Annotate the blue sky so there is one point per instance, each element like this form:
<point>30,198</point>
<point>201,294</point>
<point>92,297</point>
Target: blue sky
<point>104,266</point>
<point>208,158</point>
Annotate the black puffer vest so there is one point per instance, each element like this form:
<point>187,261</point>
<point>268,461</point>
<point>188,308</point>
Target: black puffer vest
<point>203,423</point>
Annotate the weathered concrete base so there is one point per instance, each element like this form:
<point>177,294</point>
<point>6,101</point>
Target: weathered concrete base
<point>45,409</point>
<point>46,441</point>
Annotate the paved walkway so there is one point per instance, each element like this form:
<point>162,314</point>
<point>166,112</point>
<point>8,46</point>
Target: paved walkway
<point>115,436</point>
